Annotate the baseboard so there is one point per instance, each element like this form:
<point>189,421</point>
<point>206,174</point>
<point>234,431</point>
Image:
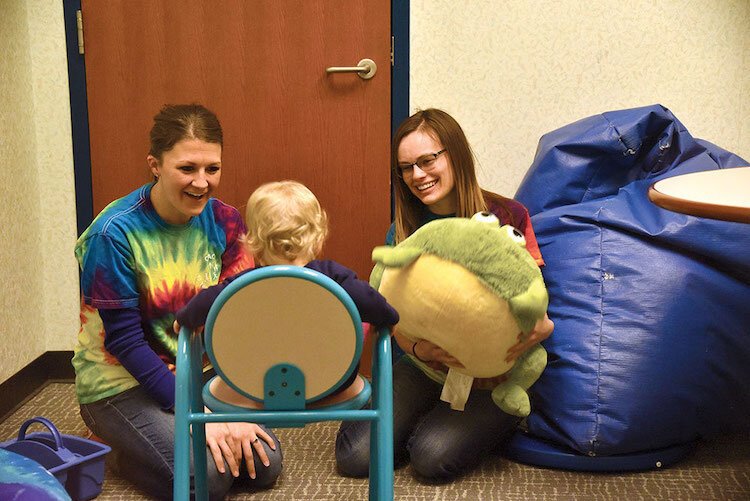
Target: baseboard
<point>51,366</point>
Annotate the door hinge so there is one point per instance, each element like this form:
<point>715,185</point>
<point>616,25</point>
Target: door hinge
<point>393,43</point>
<point>79,30</point>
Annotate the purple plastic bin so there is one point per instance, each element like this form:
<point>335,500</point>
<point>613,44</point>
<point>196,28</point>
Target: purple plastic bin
<point>76,462</point>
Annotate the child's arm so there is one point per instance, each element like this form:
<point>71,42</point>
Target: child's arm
<point>194,314</point>
<point>372,306</point>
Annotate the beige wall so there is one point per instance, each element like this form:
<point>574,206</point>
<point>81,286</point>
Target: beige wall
<point>38,305</point>
<point>509,71</point>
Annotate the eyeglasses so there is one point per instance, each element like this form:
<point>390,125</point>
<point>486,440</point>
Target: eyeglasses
<point>425,163</point>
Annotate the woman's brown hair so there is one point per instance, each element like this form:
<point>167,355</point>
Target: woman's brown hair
<point>444,129</point>
<point>176,122</point>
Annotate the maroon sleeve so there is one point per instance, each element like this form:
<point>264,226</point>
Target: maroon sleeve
<point>515,213</point>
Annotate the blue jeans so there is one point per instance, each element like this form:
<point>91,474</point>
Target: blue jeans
<point>440,443</point>
<point>141,435</point>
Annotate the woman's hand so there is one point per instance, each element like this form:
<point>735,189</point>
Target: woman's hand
<point>433,355</point>
<point>430,353</point>
<point>541,331</point>
<point>176,327</point>
<point>222,447</point>
<point>249,436</point>
<point>231,442</point>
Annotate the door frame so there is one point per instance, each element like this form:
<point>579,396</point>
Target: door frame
<point>79,105</point>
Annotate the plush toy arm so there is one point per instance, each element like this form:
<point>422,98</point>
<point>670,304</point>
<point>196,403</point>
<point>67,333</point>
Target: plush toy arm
<point>530,306</point>
<point>376,276</point>
<point>395,257</point>
<point>510,396</point>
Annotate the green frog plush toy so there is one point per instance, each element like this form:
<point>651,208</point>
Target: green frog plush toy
<point>471,287</point>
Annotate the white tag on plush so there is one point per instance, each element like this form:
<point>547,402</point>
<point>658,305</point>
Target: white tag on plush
<point>456,389</point>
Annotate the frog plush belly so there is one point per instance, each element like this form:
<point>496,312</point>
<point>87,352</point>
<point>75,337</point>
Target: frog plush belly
<point>444,302</point>
<point>471,287</point>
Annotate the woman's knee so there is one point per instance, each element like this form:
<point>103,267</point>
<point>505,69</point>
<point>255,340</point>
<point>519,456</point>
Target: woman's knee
<point>353,449</point>
<point>217,484</point>
<point>266,476</point>
<point>437,460</point>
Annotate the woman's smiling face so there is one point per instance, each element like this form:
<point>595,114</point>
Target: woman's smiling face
<point>186,175</point>
<point>436,187</point>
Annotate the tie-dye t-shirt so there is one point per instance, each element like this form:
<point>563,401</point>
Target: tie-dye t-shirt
<point>130,257</point>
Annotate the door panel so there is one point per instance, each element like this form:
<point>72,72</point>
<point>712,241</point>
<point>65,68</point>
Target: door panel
<point>260,65</point>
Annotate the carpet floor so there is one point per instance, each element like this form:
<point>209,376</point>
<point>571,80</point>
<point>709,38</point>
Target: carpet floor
<point>716,470</point>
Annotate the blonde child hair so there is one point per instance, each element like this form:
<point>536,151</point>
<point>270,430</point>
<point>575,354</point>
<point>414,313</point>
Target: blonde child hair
<point>285,223</point>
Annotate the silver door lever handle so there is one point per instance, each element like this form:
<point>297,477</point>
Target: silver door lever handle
<point>366,69</point>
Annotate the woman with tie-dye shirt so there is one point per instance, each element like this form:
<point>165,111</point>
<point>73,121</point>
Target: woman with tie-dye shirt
<point>142,259</point>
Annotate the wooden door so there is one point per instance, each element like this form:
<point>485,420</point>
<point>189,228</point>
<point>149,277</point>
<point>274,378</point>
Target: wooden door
<point>260,65</point>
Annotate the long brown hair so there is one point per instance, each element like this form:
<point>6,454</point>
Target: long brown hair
<point>444,129</point>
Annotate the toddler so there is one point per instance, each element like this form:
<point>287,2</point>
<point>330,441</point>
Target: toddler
<point>286,225</point>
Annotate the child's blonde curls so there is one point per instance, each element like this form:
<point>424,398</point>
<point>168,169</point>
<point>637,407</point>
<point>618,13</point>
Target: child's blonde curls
<point>285,220</point>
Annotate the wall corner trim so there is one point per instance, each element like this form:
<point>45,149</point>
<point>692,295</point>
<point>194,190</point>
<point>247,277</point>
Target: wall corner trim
<point>51,366</point>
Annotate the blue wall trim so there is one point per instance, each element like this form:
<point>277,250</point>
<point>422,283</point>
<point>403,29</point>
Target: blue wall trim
<point>400,74</point>
<point>79,118</point>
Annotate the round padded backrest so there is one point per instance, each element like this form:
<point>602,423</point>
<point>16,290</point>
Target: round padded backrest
<point>284,319</point>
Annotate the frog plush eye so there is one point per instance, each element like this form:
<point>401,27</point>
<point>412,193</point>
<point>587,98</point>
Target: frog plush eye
<point>515,235</point>
<point>486,217</point>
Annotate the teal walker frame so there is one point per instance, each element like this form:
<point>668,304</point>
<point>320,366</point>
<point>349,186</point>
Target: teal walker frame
<point>284,388</point>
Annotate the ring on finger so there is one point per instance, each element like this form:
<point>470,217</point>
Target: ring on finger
<point>256,439</point>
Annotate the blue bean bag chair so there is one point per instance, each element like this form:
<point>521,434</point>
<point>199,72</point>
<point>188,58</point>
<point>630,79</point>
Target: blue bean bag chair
<point>651,347</point>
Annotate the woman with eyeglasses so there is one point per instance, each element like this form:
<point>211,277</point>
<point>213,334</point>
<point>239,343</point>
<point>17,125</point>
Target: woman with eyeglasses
<point>434,177</point>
